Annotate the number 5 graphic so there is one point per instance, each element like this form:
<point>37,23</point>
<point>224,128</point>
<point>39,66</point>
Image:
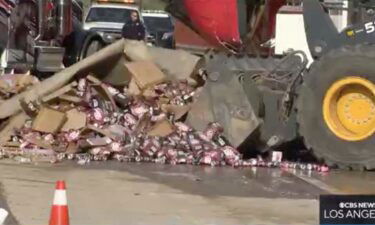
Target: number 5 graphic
<point>370,27</point>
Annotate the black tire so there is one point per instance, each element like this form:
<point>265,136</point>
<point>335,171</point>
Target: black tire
<point>94,46</point>
<point>336,65</point>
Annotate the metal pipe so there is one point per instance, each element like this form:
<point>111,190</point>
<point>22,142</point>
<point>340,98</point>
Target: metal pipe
<point>42,4</point>
<point>64,17</point>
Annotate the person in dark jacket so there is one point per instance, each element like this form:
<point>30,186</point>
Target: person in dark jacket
<point>134,29</point>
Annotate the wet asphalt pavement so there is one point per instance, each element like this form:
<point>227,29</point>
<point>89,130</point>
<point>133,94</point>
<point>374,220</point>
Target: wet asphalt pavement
<point>130,193</point>
<point>11,220</point>
<point>223,181</point>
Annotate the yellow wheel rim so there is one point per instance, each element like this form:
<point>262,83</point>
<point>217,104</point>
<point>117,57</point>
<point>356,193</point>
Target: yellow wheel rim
<point>349,108</point>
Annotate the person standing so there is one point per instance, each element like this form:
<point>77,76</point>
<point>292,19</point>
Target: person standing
<point>134,28</point>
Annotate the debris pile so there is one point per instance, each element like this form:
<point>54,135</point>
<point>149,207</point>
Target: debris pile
<point>142,121</point>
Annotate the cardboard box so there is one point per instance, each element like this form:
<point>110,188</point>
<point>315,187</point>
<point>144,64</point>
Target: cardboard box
<point>133,88</point>
<point>177,110</point>
<point>40,143</point>
<point>75,120</point>
<point>161,129</point>
<point>149,93</point>
<point>145,73</point>
<point>49,120</point>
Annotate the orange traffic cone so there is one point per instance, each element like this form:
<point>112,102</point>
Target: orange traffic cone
<point>59,211</point>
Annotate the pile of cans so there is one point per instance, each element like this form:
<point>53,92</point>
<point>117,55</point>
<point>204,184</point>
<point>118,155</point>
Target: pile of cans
<point>128,118</point>
<point>259,162</point>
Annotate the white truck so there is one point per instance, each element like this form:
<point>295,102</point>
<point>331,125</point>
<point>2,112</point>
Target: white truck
<point>159,27</point>
<point>106,19</point>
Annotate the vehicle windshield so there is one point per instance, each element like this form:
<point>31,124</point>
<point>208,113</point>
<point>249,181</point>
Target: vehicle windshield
<point>110,15</point>
<point>158,23</point>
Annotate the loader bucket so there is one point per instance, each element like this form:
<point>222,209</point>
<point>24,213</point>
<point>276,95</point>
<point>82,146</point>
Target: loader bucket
<point>222,99</point>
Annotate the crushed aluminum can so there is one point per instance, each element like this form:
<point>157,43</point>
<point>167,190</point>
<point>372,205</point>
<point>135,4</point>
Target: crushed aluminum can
<point>203,137</point>
<point>116,147</point>
<point>276,156</point>
<point>230,152</point>
<point>49,138</point>
<point>61,156</point>
<point>174,137</point>
<point>190,159</point>
<point>284,165</point>
<point>96,150</point>
<point>205,160</point>
<point>83,162</point>
<point>172,143</point>
<point>24,145</point>
<point>173,161</point>
<point>28,124</point>
<point>171,153</point>
<point>261,163</point>
<point>94,103</point>
<point>15,138</point>
<point>70,156</point>
<point>182,160</point>
<point>72,135</point>
<point>324,168</point>
<point>212,130</point>
<point>82,85</point>
<point>112,91</point>
<point>160,154</point>
<point>302,166</point>
<point>182,127</point>
<point>253,162</point>
<point>138,158</point>
<point>123,100</point>
<point>83,159</point>
<point>222,141</point>
<point>246,163</point>
<point>129,120</point>
<point>232,162</point>
<point>146,159</point>
<point>216,155</point>
<point>139,109</point>
<point>97,115</point>
<point>161,160</point>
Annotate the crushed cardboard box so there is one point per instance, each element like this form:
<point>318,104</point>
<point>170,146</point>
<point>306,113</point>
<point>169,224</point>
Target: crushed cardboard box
<point>133,88</point>
<point>49,120</point>
<point>76,120</point>
<point>145,73</point>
